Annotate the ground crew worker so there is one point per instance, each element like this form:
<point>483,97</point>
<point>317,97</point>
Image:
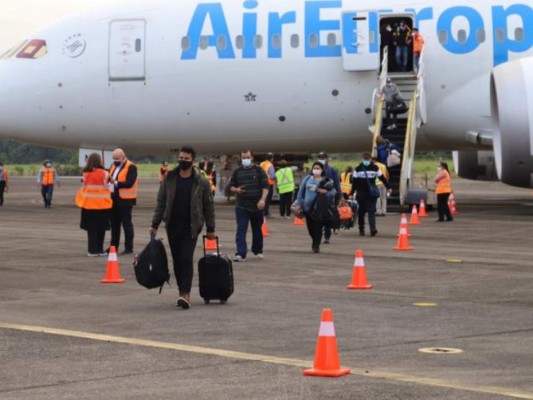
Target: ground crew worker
<point>94,199</point>
<point>346,182</point>
<point>4,183</point>
<point>163,171</point>
<point>270,172</point>
<point>123,179</point>
<point>46,179</point>
<point>418,45</point>
<point>285,182</point>
<point>443,190</point>
<point>381,204</point>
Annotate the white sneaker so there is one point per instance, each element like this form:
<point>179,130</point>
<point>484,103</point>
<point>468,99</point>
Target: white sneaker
<point>238,258</point>
<point>92,255</point>
<point>259,256</point>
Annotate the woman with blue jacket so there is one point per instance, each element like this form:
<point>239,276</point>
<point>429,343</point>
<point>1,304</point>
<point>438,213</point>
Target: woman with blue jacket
<point>317,197</point>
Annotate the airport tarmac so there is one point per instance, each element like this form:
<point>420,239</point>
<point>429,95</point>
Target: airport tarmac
<point>64,335</point>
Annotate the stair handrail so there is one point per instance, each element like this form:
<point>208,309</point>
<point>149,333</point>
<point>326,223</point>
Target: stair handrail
<point>379,99</point>
<point>408,150</point>
<point>421,97</point>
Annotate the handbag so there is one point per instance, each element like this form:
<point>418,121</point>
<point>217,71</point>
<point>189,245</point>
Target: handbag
<point>345,212</point>
<point>394,158</point>
<point>373,191</point>
<point>297,209</point>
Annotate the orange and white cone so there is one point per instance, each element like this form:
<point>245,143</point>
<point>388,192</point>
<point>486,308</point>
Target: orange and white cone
<point>403,241</point>
<point>422,206</point>
<point>359,273</point>
<point>298,221</point>
<point>112,273</point>
<point>264,228</point>
<point>414,217</point>
<point>405,225</point>
<point>327,362</point>
<point>451,205</point>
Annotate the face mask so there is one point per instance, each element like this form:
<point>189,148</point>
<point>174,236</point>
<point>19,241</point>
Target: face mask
<point>366,163</point>
<point>389,28</point>
<point>246,162</point>
<point>439,169</point>
<point>317,172</point>
<point>117,163</point>
<point>48,165</point>
<point>323,162</point>
<point>184,165</point>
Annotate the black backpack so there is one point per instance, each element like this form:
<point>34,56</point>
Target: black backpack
<point>151,265</point>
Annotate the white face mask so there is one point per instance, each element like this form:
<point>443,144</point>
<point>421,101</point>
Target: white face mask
<point>389,28</point>
<point>323,162</point>
<point>317,172</point>
<point>246,162</point>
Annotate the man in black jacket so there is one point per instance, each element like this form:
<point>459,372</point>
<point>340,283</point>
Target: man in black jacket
<point>364,185</point>
<point>185,203</point>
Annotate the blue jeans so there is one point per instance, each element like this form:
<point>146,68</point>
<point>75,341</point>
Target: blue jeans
<point>401,58</point>
<point>255,218</point>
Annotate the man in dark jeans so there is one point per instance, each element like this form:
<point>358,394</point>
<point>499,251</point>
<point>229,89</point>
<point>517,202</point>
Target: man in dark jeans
<point>250,184</point>
<point>185,203</point>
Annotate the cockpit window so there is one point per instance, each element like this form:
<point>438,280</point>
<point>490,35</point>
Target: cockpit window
<point>36,48</point>
<point>12,51</point>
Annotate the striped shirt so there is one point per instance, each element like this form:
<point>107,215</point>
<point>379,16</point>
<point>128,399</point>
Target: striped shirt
<point>253,180</point>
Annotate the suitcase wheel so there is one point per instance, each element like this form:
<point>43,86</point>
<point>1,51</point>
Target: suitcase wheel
<point>222,301</point>
<point>206,301</point>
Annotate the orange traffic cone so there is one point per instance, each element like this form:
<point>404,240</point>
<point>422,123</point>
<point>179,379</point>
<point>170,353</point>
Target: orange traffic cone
<point>112,273</point>
<point>359,273</point>
<point>211,244</point>
<point>451,205</point>
<point>327,362</point>
<point>298,221</point>
<point>405,225</point>
<point>264,228</point>
<point>422,206</point>
<point>403,241</point>
<point>414,217</point>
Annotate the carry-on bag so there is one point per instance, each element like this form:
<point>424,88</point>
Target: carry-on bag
<point>215,275</point>
<point>151,265</point>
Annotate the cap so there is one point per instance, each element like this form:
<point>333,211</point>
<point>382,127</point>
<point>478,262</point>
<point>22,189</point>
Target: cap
<point>367,155</point>
<point>389,80</point>
<point>322,154</point>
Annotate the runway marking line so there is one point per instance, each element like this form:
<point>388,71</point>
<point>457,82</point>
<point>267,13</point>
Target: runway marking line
<point>268,359</point>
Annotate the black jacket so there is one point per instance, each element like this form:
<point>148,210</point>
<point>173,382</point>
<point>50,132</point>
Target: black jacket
<point>360,182</point>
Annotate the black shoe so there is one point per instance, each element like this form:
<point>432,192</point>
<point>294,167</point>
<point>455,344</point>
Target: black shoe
<point>326,241</point>
<point>449,220</point>
<point>373,232</point>
<point>439,220</point>
<point>316,249</point>
<point>361,233</point>
<point>126,252</point>
<point>183,303</point>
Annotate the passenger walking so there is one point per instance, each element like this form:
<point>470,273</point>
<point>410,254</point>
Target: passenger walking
<point>387,43</point>
<point>123,178</point>
<point>346,182</point>
<point>270,172</point>
<point>366,192</point>
<point>94,199</point>
<point>390,91</point>
<point>402,40</point>
<point>381,204</point>
<point>331,173</point>
<point>4,182</point>
<point>163,171</point>
<point>185,203</point>
<point>285,182</point>
<point>46,178</point>
<point>249,183</point>
<point>316,196</point>
<point>443,190</point>
<point>418,45</point>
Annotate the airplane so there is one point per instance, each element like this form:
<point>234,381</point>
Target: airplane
<point>275,76</point>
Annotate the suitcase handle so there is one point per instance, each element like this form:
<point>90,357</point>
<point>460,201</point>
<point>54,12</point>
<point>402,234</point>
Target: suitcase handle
<point>218,247</point>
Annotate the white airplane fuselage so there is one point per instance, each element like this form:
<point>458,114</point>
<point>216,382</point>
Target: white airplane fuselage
<point>188,81</point>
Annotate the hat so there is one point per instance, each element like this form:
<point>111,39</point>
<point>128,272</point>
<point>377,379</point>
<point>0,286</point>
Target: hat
<point>367,155</point>
<point>389,80</point>
<point>322,154</point>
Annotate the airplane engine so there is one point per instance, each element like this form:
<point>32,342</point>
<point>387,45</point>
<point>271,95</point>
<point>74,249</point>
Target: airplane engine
<point>512,112</point>
<point>475,165</point>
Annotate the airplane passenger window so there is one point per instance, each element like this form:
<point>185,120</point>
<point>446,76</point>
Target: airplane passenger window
<point>519,34</point>
<point>258,41</point>
<point>221,42</point>
<point>332,40</point>
<point>313,40</point>
<point>185,43</point>
<point>461,36</point>
<point>500,35</point>
<point>276,41</point>
<point>239,42</point>
<point>480,35</point>
<point>295,41</point>
<point>34,49</point>
<point>443,37</point>
<point>203,42</point>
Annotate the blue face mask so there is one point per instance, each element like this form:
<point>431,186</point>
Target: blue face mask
<point>246,162</point>
<point>366,163</point>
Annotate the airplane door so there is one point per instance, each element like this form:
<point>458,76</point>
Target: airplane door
<point>360,50</point>
<point>126,50</point>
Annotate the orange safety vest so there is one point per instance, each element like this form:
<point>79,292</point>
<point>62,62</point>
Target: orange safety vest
<point>125,193</point>
<point>210,178</point>
<point>266,167</point>
<point>4,174</point>
<point>444,185</point>
<point>346,186</point>
<point>49,175</point>
<point>95,193</point>
<point>418,43</point>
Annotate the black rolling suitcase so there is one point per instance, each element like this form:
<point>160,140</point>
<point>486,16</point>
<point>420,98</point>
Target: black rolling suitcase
<point>215,273</point>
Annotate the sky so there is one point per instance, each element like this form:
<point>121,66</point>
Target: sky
<point>20,18</point>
